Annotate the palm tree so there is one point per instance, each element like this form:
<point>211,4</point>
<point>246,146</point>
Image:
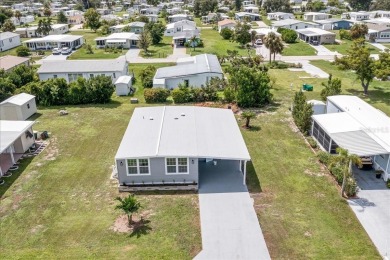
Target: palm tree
<point>345,160</point>
<point>18,15</point>
<point>193,41</point>
<point>253,37</point>
<point>129,206</point>
<point>274,44</point>
<point>247,115</point>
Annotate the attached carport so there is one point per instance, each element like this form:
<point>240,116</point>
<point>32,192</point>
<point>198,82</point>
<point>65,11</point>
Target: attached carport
<point>15,138</point>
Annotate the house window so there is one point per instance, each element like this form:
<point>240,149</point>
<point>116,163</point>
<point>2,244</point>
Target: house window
<point>176,165</point>
<point>54,76</point>
<point>137,166</point>
<point>113,74</point>
<point>28,106</point>
<point>186,83</point>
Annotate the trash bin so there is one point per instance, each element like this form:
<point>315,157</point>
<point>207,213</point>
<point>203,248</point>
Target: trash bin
<point>307,87</point>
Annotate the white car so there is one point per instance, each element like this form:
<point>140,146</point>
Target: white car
<point>258,42</point>
<point>66,51</point>
<point>56,51</point>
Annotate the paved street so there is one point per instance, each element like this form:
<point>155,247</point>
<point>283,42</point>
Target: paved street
<point>229,225</point>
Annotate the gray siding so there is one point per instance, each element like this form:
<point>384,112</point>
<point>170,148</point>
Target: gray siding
<point>158,175</point>
<point>382,161</point>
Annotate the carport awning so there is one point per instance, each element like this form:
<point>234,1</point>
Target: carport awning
<point>358,142</point>
<point>116,41</point>
<point>10,131</point>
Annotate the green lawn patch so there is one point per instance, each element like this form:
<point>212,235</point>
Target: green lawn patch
<point>298,49</point>
<point>161,50</point>
<point>215,44</point>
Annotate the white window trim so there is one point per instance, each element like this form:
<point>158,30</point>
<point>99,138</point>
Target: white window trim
<point>138,172</point>
<point>177,166</point>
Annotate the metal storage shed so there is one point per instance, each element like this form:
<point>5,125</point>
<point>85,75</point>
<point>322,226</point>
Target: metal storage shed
<point>18,107</point>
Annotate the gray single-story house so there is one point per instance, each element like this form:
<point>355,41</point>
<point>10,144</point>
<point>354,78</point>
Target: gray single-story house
<point>316,34</point>
<point>166,147</point>
<point>193,71</point>
<point>353,124</point>
<point>18,107</point>
<point>334,24</point>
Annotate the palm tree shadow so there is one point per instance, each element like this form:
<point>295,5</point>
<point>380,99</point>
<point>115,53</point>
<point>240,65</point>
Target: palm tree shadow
<point>141,228</point>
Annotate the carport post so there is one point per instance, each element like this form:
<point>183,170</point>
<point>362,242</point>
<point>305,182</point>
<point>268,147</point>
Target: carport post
<point>244,181</point>
<point>12,154</point>
<point>239,166</point>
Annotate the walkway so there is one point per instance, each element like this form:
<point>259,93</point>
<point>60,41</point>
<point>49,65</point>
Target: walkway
<point>310,69</point>
<point>230,228</point>
<point>132,56</point>
<point>323,51</point>
<point>261,24</point>
<point>373,210</point>
<point>379,46</point>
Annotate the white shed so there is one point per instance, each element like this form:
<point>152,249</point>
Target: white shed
<point>123,85</point>
<point>319,107</point>
<point>18,107</point>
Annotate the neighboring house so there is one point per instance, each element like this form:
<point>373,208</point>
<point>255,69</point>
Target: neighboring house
<point>227,23</point>
<point>209,18</point>
<point>16,137</point>
<point>20,7</point>
<point>353,124</point>
<point>9,40</point>
<point>55,41</point>
<point>179,17</point>
<point>103,11</point>
<point>314,16</point>
<point>22,20</point>
<point>70,70</point>
<point>356,16</point>
<point>111,17</point>
<point>31,32</point>
<point>378,33</point>
<point>135,27</point>
<point>248,2</point>
<point>380,14</point>
<point>149,10</point>
<point>177,28</point>
<point>9,62</point>
<point>123,85</point>
<point>378,22</point>
<point>295,2</point>
<point>18,107</point>
<point>251,9</point>
<point>242,16</point>
<point>123,40</point>
<point>280,16</point>
<point>174,10</point>
<point>194,71</point>
<point>76,19</point>
<point>152,17</point>
<point>334,24</point>
<point>296,8</point>
<point>261,32</point>
<point>294,24</point>
<point>316,34</point>
<point>167,147</point>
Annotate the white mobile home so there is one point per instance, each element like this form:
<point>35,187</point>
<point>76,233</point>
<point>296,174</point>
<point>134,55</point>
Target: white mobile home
<point>31,32</point>
<point>170,146</point>
<point>354,125</point>
<point>294,24</point>
<point>18,107</point>
<point>9,40</point>
<point>313,16</point>
<point>55,41</point>
<point>194,71</point>
<point>123,40</point>
<point>280,16</point>
<point>70,70</point>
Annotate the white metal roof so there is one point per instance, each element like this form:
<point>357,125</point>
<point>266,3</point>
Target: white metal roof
<point>56,38</point>
<point>186,131</point>
<point>360,128</point>
<point>314,31</point>
<point>12,130</point>
<point>19,99</point>
<point>123,79</point>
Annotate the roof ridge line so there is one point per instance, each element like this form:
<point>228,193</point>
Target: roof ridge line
<point>161,127</point>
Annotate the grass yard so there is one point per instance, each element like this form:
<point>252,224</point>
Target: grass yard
<point>161,50</point>
<point>215,44</point>
<point>61,204</point>
<point>299,48</point>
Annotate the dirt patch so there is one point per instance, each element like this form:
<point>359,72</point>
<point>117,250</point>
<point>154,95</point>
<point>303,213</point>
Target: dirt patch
<point>232,106</point>
<point>51,150</point>
<point>121,224</point>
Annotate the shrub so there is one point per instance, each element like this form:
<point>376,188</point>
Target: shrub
<point>337,172</point>
<point>23,51</point>
<point>89,49</point>
<point>302,112</point>
<point>229,94</point>
<point>324,157</point>
<point>155,95</point>
<point>388,183</point>
<point>312,142</point>
<point>147,75</point>
<point>289,36</point>
<point>279,65</point>
<point>344,34</point>
<point>226,33</point>
<point>181,95</point>
<point>350,187</point>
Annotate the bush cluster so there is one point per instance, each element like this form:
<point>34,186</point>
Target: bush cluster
<point>156,95</point>
<point>344,34</point>
<point>57,91</point>
<point>147,76</point>
<point>312,142</point>
<point>184,94</point>
<point>288,35</point>
<point>227,33</point>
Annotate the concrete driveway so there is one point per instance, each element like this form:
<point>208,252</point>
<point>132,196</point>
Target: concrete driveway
<point>322,50</point>
<point>230,228</point>
<point>372,208</point>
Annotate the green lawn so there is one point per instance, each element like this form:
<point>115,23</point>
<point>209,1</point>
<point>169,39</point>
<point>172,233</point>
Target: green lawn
<point>161,50</point>
<point>215,44</point>
<point>298,49</point>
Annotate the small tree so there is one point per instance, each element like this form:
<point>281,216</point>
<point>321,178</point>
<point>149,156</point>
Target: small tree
<point>193,42</point>
<point>61,18</point>
<point>331,88</point>
<point>241,33</point>
<point>92,19</point>
<point>247,115</point>
<point>47,12</point>
<point>129,205</point>
<point>302,112</point>
<point>358,30</point>
<point>156,31</point>
<point>226,33</point>
<point>22,51</point>
<point>382,66</point>
<point>147,75</point>
<point>8,26</point>
<point>144,41</point>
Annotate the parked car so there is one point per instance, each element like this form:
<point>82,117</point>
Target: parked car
<point>258,42</point>
<point>66,51</point>
<point>314,42</point>
<point>56,51</point>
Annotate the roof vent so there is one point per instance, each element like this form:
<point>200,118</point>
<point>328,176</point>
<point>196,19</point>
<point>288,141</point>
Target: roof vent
<point>150,118</point>
<point>182,114</point>
<point>176,118</point>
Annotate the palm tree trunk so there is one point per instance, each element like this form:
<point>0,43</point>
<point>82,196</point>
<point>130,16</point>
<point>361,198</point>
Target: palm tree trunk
<point>274,56</point>
<point>270,56</point>
<point>130,219</point>
<point>247,122</point>
<point>345,178</point>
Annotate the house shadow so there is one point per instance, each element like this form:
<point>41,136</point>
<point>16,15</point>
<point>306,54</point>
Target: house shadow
<point>8,181</point>
<point>140,228</point>
<point>110,105</point>
<point>252,179</point>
